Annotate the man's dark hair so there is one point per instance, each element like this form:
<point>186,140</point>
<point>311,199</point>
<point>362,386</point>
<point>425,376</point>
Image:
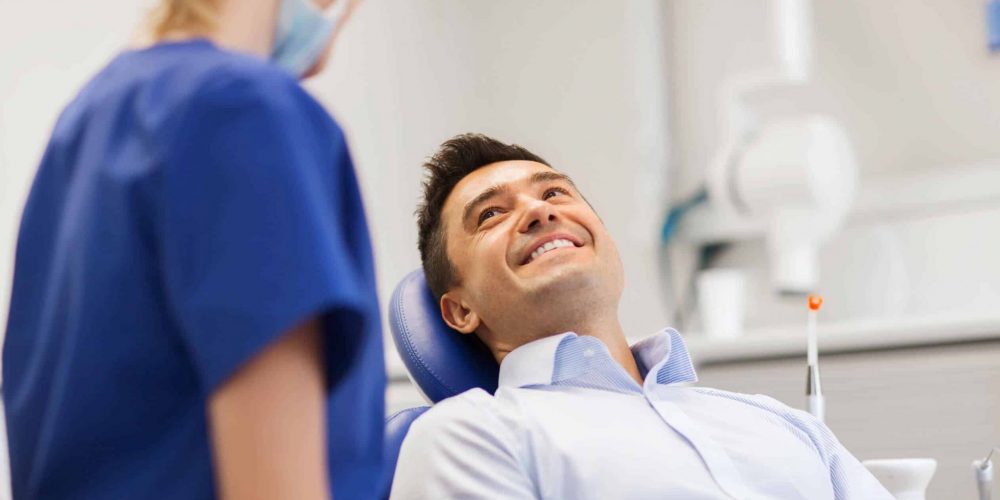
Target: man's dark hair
<point>456,158</point>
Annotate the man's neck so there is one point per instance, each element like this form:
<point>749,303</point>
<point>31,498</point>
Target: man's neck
<point>613,337</point>
<point>605,328</point>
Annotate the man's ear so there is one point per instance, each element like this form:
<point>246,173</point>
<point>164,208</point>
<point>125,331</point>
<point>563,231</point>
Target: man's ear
<point>457,314</point>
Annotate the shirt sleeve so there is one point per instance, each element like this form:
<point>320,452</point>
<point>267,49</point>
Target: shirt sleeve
<point>256,196</point>
<point>458,449</point>
<point>850,479</point>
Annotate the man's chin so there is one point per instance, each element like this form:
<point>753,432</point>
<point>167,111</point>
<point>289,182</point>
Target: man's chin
<point>563,280</point>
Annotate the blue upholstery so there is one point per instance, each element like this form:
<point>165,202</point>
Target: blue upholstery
<point>396,427</point>
<point>441,361</point>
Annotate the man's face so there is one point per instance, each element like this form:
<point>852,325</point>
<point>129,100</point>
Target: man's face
<point>527,250</point>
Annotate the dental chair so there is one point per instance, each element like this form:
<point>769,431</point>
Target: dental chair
<point>442,362</point>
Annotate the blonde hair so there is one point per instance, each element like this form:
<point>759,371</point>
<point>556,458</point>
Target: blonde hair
<point>189,16</point>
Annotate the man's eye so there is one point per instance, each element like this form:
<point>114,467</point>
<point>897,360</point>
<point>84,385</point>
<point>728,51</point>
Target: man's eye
<point>486,214</point>
<point>552,192</point>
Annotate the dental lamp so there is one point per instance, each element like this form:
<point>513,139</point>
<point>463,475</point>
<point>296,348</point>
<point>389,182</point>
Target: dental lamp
<point>790,178</point>
<point>793,179</point>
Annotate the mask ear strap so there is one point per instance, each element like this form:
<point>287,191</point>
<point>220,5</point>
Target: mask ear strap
<point>335,14</point>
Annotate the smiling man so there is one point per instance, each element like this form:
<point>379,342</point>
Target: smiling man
<point>517,257</point>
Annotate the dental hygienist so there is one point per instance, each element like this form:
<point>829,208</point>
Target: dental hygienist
<point>194,312</point>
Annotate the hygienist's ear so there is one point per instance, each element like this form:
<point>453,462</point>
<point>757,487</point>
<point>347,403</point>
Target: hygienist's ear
<point>457,314</point>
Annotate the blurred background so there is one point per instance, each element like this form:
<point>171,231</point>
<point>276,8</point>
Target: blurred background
<point>880,119</point>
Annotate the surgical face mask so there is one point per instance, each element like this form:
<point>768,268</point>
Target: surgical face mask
<point>302,33</point>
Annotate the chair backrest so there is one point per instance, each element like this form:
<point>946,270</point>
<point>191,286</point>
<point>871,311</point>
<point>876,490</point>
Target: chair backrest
<point>441,361</point>
<point>396,427</point>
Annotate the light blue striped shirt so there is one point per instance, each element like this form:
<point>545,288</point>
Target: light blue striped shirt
<point>568,422</point>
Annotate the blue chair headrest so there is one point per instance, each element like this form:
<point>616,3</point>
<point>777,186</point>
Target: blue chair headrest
<point>442,361</point>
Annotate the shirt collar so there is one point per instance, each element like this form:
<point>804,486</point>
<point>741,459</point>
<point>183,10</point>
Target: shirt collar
<point>532,363</point>
<point>665,358</point>
<point>662,358</point>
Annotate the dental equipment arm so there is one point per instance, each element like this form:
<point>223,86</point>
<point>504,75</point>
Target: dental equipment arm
<point>789,177</point>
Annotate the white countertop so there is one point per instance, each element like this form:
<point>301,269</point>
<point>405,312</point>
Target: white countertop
<point>845,337</point>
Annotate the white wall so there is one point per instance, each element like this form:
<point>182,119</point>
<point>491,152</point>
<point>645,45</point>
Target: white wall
<point>912,80</point>
<point>574,81</point>
<point>918,92</point>
<point>579,82</point>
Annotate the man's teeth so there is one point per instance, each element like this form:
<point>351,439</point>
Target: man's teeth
<point>560,243</point>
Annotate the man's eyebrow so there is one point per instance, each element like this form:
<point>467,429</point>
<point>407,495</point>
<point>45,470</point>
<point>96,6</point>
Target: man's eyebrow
<point>548,176</point>
<point>483,197</point>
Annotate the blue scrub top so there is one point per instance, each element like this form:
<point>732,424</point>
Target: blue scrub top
<point>192,205</point>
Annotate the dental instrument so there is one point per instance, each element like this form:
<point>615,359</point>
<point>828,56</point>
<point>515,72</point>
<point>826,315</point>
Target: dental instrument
<point>814,391</point>
<point>984,475</point>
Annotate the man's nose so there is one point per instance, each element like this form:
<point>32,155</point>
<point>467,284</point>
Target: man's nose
<point>536,215</point>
